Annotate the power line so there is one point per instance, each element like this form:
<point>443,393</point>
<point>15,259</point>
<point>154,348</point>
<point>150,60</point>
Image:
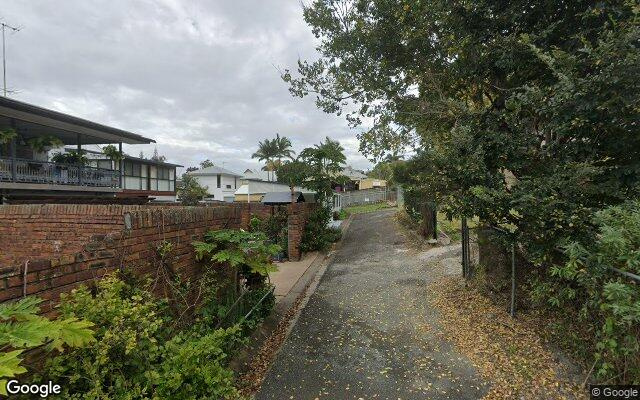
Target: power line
<point>4,54</point>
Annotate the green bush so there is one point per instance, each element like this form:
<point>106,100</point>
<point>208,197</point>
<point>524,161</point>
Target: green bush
<point>317,235</point>
<point>605,300</point>
<point>130,331</point>
<point>194,367</point>
<point>137,353</point>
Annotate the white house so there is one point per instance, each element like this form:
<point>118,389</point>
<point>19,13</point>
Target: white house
<point>254,191</point>
<point>221,183</point>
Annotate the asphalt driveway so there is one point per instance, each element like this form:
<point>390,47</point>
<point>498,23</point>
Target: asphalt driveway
<point>368,332</point>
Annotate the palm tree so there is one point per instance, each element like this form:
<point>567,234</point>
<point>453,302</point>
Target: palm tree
<point>283,147</point>
<point>267,152</point>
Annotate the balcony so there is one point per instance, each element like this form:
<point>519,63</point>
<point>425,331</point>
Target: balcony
<point>17,170</point>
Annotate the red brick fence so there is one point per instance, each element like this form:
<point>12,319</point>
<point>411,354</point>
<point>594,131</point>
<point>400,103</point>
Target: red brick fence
<point>49,249</point>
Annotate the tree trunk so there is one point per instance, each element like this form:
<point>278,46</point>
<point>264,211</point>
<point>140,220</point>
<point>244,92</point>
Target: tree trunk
<point>427,225</point>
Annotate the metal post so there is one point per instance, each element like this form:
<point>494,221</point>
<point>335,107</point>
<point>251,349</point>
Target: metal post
<point>14,145</point>
<point>4,55</point>
<point>513,280</point>
<point>79,151</point>
<point>464,248</point>
<point>435,223</point>
<point>121,169</point>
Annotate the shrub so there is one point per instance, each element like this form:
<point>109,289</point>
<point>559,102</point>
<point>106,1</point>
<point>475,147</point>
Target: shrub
<point>129,335</point>
<point>137,354</point>
<point>21,329</point>
<point>317,234</point>
<point>607,301</point>
<point>194,367</point>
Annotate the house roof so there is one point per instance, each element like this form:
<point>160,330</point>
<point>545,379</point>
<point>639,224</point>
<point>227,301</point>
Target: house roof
<point>260,187</point>
<point>281,197</point>
<point>353,174</point>
<point>33,121</point>
<point>259,175</point>
<point>213,170</point>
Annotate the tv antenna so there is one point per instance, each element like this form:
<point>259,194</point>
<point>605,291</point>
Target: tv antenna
<point>4,54</point>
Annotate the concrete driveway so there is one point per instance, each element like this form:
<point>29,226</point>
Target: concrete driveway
<point>367,331</point>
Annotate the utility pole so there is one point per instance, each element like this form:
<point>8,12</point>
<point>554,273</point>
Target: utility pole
<point>4,55</point>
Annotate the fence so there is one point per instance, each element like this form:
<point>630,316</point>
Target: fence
<point>468,264</point>
<point>357,197</point>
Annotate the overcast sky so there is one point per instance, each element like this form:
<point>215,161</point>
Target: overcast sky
<point>199,77</point>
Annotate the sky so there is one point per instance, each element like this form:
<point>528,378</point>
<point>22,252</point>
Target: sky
<point>199,77</point>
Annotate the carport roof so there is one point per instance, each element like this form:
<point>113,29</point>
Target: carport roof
<point>32,121</point>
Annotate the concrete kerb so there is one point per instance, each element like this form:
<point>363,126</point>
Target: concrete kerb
<point>303,289</point>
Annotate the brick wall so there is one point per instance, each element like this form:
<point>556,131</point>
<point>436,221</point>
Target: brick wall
<point>54,248</point>
<point>298,216</point>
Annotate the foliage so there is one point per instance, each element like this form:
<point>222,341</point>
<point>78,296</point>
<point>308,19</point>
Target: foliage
<point>248,252</point>
<point>138,353</point>
<point>21,329</point>
<point>317,235</point>
<point>195,367</point>
<point>158,157</point>
<point>191,192</point>
<point>341,215</point>
<point>294,173</point>
<point>272,151</point>
<point>7,135</point>
<point>324,163</point>
<point>113,153</point>
<point>522,114</point>
<point>275,227</point>
<point>129,334</point>
<point>384,170</point>
<point>72,157</point>
<point>40,143</point>
<point>206,164</point>
<point>605,300</point>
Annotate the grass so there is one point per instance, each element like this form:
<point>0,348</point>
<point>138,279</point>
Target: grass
<point>366,208</point>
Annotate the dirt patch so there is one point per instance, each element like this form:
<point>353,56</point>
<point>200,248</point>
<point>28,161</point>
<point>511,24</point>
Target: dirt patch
<point>508,352</point>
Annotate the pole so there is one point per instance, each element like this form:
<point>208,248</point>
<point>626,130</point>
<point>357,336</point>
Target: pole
<point>4,56</point>
<point>513,280</point>
<point>464,247</point>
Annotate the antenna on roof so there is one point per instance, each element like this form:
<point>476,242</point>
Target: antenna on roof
<point>4,54</point>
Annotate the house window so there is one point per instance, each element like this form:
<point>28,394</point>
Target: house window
<point>228,186</point>
<point>219,181</point>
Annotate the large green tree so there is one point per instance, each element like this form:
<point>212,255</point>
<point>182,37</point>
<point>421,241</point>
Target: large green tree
<point>522,113</point>
<point>525,114</point>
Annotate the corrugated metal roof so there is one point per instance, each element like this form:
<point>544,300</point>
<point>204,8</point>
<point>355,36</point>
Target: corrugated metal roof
<point>214,170</point>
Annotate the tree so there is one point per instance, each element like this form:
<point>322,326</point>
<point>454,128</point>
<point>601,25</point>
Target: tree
<point>267,152</point>
<point>191,191</point>
<point>293,173</point>
<point>206,164</point>
<point>283,148</point>
<point>325,162</point>
<point>524,114</point>
<point>157,157</point>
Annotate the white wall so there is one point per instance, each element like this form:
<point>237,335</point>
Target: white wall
<point>211,181</point>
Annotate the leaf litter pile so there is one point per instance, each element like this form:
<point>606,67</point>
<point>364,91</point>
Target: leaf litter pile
<point>507,352</point>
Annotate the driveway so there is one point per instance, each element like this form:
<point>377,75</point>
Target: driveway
<point>367,331</point>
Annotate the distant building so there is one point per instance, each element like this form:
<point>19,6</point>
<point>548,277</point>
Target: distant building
<point>281,198</point>
<point>221,183</point>
<point>354,176</point>
<point>254,191</point>
<point>258,175</point>
<point>371,183</point>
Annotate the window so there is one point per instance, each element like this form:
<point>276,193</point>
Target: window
<point>228,186</point>
<point>219,181</point>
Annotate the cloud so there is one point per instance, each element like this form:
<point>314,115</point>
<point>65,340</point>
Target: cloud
<point>200,77</point>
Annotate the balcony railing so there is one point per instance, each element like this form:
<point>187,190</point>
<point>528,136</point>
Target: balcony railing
<point>31,171</point>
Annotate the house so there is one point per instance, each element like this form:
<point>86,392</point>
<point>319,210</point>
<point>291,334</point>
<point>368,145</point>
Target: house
<point>281,198</point>
<point>221,183</point>
<point>371,183</point>
<point>28,132</point>
<point>354,177</point>
<point>254,191</point>
<point>142,177</point>
<point>258,175</point>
